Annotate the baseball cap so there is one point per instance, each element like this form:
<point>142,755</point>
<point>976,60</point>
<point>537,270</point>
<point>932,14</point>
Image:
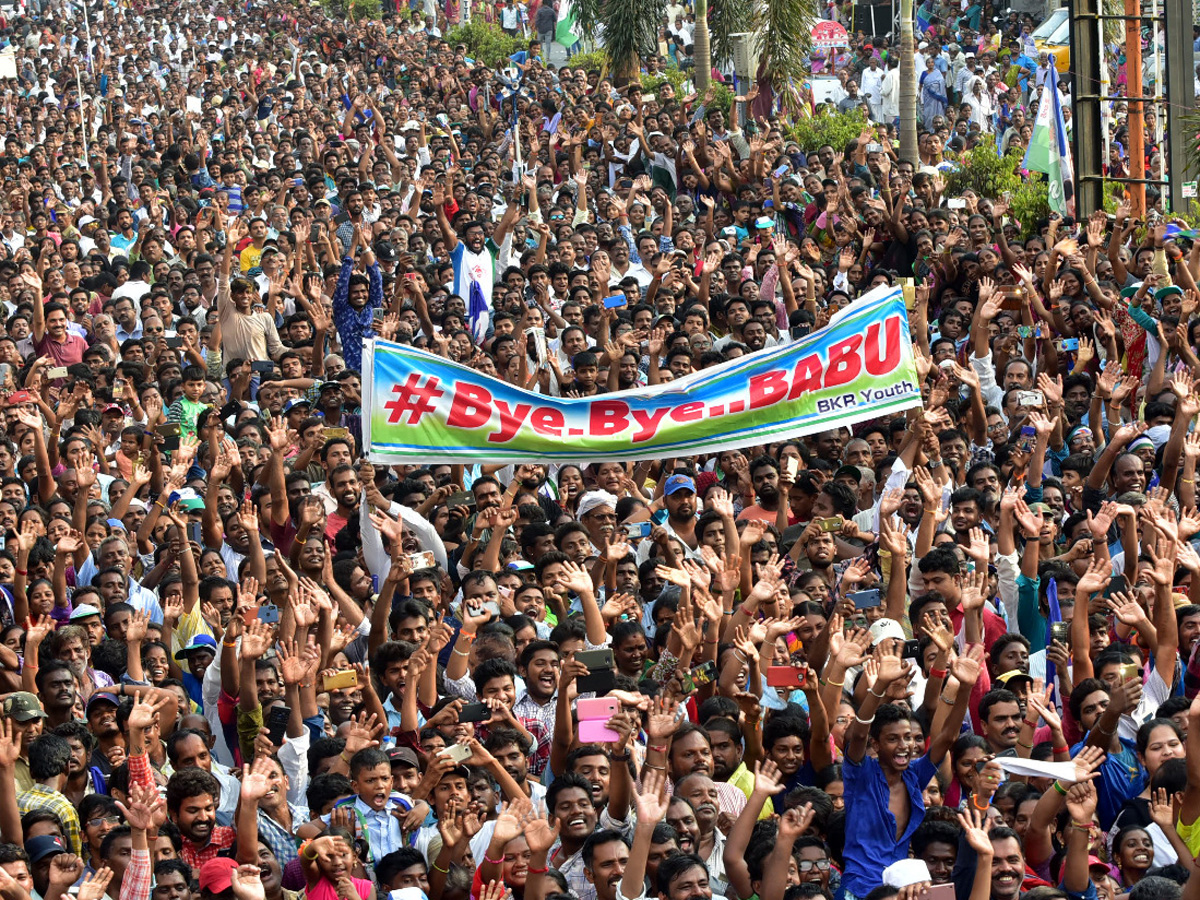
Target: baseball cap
<point>294,402</point>
<point>45,845</point>
<point>1014,676</point>
<point>83,611</point>
<point>882,629</point>
<point>198,643</point>
<point>330,386</point>
<point>24,707</point>
<point>100,697</point>
<point>679,483</point>
<point>216,875</point>
<point>849,472</point>
<point>405,756</point>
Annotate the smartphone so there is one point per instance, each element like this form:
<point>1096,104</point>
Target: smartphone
<point>595,659</point>
<point>268,613</point>
<point>333,431</point>
<point>940,892</point>
<point>462,498</point>
<point>956,203</point>
<point>1129,672</point>
<point>460,753</point>
<point>277,720</point>
<point>56,372</point>
<point>785,676</point>
<point>638,530</point>
<point>423,560</point>
<point>1024,331</point>
<point>475,712</point>
<point>790,466</point>
<point>262,366</point>
<point>1118,585</point>
<point>593,718</point>
<point>616,301</point>
<point>659,517</point>
<point>912,649</point>
<point>168,429</point>
<point>865,599</point>
<point>1027,438</point>
<point>174,343</point>
<point>196,533</point>
<point>1061,632</point>
<point>1029,399</point>
<point>779,173</point>
<point>705,673</point>
<point>797,331</point>
<point>833,523</point>
<point>1068,344</point>
<point>343,678</point>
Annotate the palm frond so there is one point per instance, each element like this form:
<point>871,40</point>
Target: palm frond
<point>784,36</point>
<point>630,32</point>
<point>726,17</point>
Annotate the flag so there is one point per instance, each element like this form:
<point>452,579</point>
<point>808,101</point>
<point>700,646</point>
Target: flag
<point>1049,149</point>
<point>564,32</point>
<point>478,313</point>
<point>1055,616</point>
<point>1171,232</point>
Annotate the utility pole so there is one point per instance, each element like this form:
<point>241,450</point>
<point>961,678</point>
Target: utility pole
<point>1137,131</point>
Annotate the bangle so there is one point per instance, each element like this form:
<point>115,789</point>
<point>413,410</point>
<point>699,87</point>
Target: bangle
<point>937,673</point>
<point>975,803</point>
<point>1188,480</point>
<point>1082,826</point>
<point>1032,725</point>
<point>1061,790</point>
<point>841,683</point>
<point>932,512</point>
<point>942,697</point>
<point>713,641</point>
<point>458,652</point>
<point>530,869</point>
<point>862,721</point>
<point>652,766</point>
<point>747,611</point>
<point>1021,743</point>
<point>729,612</point>
<point>20,571</point>
<point>1060,750</point>
<point>230,644</point>
<point>657,748</point>
<point>29,667</point>
<point>470,636</point>
<point>494,862</point>
<point>307,851</point>
<point>875,695</point>
<point>438,868</point>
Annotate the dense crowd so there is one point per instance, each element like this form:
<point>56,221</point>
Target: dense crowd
<point>947,653</point>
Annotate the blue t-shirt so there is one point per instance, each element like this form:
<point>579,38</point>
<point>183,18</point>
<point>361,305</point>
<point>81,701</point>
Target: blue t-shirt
<point>871,846</point>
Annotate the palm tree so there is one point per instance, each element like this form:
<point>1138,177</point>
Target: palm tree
<point>782,32</point>
<point>702,52</point>
<point>908,85</point>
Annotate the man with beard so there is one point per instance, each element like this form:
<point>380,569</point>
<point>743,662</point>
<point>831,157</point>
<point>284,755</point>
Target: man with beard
<point>727,753</point>
<point>597,513</point>
<point>679,497</point>
<point>770,487</point>
<point>570,806</point>
<point>101,714</point>
<point>189,749</point>
<point>511,749</point>
<point>192,798</point>
<point>56,686</point>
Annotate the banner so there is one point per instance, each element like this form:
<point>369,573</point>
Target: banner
<point>422,409</point>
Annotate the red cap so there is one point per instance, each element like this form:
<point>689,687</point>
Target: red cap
<point>215,874</point>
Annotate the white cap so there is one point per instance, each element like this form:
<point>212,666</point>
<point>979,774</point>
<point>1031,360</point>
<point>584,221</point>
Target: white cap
<point>905,872</point>
<point>886,628</point>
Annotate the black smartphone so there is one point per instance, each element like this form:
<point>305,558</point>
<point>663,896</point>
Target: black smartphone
<point>196,533</point>
<point>277,721</point>
<point>705,673</point>
<point>865,599</point>
<point>174,343</point>
<point>475,712</point>
<point>912,649</point>
<point>598,682</point>
<point>262,366</point>
<point>595,659</point>
<point>1118,585</point>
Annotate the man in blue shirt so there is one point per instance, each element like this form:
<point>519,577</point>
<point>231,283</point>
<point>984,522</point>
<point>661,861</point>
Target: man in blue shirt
<point>883,792</point>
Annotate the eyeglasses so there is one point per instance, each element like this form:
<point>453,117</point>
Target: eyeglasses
<point>807,865</point>
<point>104,820</point>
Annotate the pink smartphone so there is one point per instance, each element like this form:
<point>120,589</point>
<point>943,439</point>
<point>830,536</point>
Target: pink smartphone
<point>593,719</point>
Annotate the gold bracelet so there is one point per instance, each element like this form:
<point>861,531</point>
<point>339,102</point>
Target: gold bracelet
<point>1188,480</point>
